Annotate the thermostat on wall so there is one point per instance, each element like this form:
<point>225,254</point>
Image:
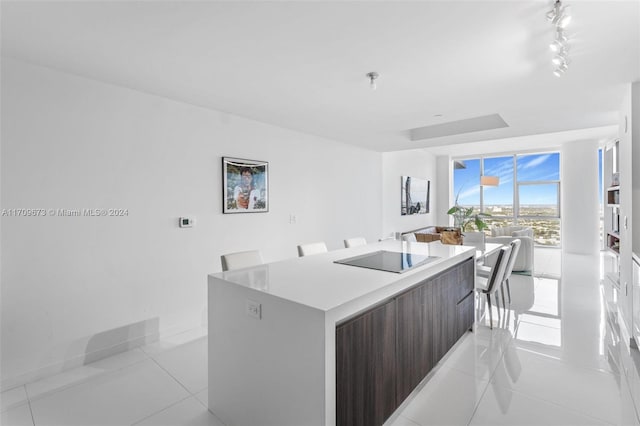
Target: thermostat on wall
<point>186,222</point>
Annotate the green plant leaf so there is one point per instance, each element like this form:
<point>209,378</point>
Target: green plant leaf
<point>480,224</point>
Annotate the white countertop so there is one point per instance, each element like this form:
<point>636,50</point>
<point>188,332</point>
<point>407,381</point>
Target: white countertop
<point>318,282</point>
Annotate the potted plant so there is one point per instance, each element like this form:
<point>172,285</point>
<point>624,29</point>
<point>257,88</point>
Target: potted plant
<point>465,219</point>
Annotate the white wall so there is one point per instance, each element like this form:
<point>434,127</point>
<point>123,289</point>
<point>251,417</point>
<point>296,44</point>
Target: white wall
<point>443,194</point>
<point>580,197</point>
<point>633,127</point>
<point>77,288</point>
<point>417,163</point>
<point>625,300</point>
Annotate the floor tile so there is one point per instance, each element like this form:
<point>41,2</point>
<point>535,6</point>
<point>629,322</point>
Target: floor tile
<point>118,398</point>
<point>547,261</point>
<point>203,397</point>
<point>188,412</point>
<point>476,355</point>
<point>493,336</point>
<point>502,406</point>
<point>448,398</point>
<point>402,421</point>
<point>540,320</point>
<point>17,416</point>
<point>13,397</point>
<point>78,375</point>
<point>539,333</point>
<point>192,374</point>
<point>594,393</point>
<point>547,299</point>
<point>628,414</point>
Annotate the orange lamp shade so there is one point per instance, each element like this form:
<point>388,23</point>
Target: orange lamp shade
<point>489,180</point>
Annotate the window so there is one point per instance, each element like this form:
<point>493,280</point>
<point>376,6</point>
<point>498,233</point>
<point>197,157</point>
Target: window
<point>539,199</point>
<point>539,196</point>
<point>498,201</point>
<point>466,183</point>
<point>528,193</point>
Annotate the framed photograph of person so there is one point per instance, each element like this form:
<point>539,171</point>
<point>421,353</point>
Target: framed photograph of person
<point>245,187</point>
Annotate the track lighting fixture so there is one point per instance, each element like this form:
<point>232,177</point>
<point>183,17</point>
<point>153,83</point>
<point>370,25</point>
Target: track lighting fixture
<point>560,18</point>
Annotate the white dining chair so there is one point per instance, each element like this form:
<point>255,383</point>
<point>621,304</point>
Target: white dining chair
<point>490,285</point>
<point>241,259</point>
<point>355,242</point>
<point>410,238</point>
<point>484,271</point>
<point>311,248</point>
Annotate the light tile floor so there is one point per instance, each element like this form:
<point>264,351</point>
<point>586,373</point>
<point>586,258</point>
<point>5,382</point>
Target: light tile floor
<point>543,363</point>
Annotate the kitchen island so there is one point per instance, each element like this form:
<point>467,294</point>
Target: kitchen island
<point>308,341</point>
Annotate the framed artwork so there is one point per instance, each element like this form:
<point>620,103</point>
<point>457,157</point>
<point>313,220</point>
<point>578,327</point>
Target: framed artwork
<point>414,198</point>
<point>245,187</point>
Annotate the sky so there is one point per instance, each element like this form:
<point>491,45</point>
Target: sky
<point>530,168</point>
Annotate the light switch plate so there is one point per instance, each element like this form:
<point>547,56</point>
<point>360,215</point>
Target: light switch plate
<point>254,309</point>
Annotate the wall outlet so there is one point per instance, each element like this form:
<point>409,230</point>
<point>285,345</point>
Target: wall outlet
<point>293,219</point>
<point>254,309</point>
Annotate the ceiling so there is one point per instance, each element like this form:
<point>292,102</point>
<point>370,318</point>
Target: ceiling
<point>302,65</point>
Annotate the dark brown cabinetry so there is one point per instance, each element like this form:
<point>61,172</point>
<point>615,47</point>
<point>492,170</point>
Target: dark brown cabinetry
<point>413,332</point>
<point>464,315</point>
<point>366,361</point>
<point>385,352</point>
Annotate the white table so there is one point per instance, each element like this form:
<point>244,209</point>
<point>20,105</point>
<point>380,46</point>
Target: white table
<point>489,249</point>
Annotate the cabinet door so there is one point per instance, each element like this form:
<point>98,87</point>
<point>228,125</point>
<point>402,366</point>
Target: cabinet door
<point>463,280</point>
<point>464,317</point>
<point>465,305</point>
<point>413,338</point>
<point>442,315</point>
<point>448,289</point>
<point>365,368</point>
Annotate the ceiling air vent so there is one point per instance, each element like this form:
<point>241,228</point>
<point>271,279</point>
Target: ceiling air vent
<point>476,124</point>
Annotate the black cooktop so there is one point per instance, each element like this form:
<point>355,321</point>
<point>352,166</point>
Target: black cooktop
<point>390,261</point>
